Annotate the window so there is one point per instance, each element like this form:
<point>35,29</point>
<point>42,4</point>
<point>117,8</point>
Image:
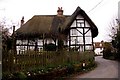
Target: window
<point>88,40</point>
<point>80,23</point>
<point>73,32</point>
<point>89,47</point>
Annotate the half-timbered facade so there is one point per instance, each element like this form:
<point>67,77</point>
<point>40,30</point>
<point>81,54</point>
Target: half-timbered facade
<point>80,34</point>
<point>76,31</point>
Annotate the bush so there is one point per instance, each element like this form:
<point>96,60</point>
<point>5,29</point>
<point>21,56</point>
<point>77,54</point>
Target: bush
<point>14,76</point>
<point>107,50</point>
<point>78,67</point>
<point>70,68</point>
<point>20,76</point>
<point>50,47</point>
<point>6,75</point>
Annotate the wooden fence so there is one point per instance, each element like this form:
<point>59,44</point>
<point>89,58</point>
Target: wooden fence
<point>32,59</point>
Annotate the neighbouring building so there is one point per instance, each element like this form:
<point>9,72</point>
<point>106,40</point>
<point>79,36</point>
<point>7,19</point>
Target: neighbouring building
<point>76,31</point>
<point>98,47</point>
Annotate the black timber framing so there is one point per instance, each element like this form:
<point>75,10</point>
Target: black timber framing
<point>83,34</point>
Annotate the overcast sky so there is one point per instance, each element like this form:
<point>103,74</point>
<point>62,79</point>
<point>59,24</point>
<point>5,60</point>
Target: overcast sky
<point>101,12</point>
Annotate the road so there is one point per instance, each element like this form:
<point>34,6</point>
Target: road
<point>105,69</point>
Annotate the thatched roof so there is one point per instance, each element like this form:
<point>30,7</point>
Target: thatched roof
<point>41,24</point>
<point>51,24</point>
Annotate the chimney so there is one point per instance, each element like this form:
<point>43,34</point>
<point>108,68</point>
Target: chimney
<point>59,11</point>
<point>22,21</point>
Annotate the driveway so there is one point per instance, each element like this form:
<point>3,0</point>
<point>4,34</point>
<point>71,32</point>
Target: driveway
<point>105,69</point>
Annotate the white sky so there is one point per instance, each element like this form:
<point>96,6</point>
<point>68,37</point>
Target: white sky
<point>102,15</point>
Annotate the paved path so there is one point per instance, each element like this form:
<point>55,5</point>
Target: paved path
<point>105,69</point>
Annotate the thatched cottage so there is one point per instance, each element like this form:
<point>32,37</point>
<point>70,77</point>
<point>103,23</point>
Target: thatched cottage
<point>76,31</point>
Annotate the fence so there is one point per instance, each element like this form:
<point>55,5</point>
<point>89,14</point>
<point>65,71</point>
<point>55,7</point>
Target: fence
<point>32,59</point>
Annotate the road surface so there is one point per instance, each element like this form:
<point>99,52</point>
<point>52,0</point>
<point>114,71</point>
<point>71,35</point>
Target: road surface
<point>105,69</point>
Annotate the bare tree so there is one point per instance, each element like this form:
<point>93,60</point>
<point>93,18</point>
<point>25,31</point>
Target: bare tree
<point>113,27</point>
<point>4,36</point>
<point>115,35</point>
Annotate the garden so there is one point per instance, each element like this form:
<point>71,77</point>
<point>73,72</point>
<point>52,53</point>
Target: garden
<point>46,64</point>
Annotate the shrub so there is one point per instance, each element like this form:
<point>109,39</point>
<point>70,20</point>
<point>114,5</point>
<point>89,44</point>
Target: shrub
<point>50,47</point>
<point>14,76</point>
<point>78,67</point>
<point>70,68</point>
<point>107,50</point>
<point>6,75</point>
<point>20,76</point>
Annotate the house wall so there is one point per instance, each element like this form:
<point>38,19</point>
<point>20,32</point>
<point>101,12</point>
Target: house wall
<point>80,35</point>
<point>24,45</point>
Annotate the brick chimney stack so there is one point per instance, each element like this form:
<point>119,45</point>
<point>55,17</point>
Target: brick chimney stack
<point>22,21</point>
<point>59,11</point>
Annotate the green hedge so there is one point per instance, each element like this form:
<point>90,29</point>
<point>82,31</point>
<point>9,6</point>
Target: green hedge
<point>107,50</point>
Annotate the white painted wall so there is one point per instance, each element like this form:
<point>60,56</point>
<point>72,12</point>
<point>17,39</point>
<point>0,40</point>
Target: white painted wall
<point>74,32</point>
